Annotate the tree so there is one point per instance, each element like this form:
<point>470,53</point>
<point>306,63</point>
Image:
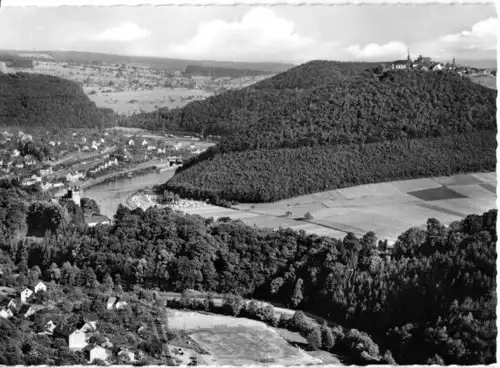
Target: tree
<point>89,278</point>
<point>297,293</point>
<point>308,216</point>
<point>388,359</point>
<point>327,338</point>
<point>43,216</point>
<point>276,284</point>
<point>232,304</point>
<point>89,207</point>
<point>314,338</point>
<point>108,281</point>
<point>299,322</point>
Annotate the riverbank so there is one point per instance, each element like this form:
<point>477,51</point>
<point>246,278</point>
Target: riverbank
<point>138,170</point>
<point>145,198</point>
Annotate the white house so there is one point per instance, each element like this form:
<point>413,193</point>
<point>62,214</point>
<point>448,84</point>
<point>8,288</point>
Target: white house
<point>98,353</point>
<point>144,142</point>
<point>111,303</point>
<point>177,146</point>
<point>129,354</point>
<point>46,186</point>
<point>89,326</point>
<point>49,328</point>
<point>437,67</point>
<point>120,304</point>
<point>6,313</point>
<point>12,304</point>
<point>151,148</point>
<point>71,177</point>
<point>98,220</point>
<point>32,310</point>
<point>40,287</point>
<point>77,340</point>
<point>25,295</point>
<point>52,143</point>
<point>131,142</point>
<point>84,140</point>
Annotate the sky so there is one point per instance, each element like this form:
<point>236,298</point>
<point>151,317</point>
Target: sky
<point>292,34</point>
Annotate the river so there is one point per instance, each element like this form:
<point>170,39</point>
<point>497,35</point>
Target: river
<point>109,195</point>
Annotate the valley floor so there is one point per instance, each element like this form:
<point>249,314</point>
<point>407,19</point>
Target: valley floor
<point>388,208</point>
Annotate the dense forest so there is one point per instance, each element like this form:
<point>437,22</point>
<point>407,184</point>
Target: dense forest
<point>36,100</point>
<point>217,72</point>
<point>429,299</point>
<point>326,125</point>
<point>269,175</point>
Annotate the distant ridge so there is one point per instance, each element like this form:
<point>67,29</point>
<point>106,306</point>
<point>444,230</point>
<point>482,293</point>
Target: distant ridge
<point>154,62</point>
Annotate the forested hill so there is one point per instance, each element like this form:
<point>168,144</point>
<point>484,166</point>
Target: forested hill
<point>327,125</point>
<point>325,103</point>
<point>36,100</point>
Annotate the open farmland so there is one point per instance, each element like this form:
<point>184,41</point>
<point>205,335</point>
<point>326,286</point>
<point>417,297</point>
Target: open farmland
<point>236,341</point>
<point>388,209</point>
<point>488,80</point>
<point>129,102</point>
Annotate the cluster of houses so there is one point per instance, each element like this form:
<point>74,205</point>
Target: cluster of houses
<point>154,148</point>
<point>95,145</point>
<point>427,64</point>
<point>103,166</point>
<point>22,303</point>
<point>77,338</point>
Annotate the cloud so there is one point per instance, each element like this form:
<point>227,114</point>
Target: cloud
<point>260,35</point>
<point>123,33</point>
<point>482,36</point>
<point>375,51</point>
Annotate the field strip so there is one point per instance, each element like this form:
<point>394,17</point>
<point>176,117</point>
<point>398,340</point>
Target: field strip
<point>415,184</point>
<point>442,210</point>
<point>490,178</point>
<point>474,191</point>
<point>489,187</point>
<point>461,179</point>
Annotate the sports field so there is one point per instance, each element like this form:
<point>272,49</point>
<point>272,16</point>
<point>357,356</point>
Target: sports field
<point>388,208</point>
<point>237,341</point>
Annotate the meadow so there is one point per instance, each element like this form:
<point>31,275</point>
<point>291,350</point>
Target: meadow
<point>388,208</point>
<point>130,102</point>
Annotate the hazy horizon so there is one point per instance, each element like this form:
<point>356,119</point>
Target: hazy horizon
<point>283,34</point>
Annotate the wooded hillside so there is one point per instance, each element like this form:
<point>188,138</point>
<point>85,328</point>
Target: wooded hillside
<point>431,300</point>
<point>347,116</point>
<point>36,100</point>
